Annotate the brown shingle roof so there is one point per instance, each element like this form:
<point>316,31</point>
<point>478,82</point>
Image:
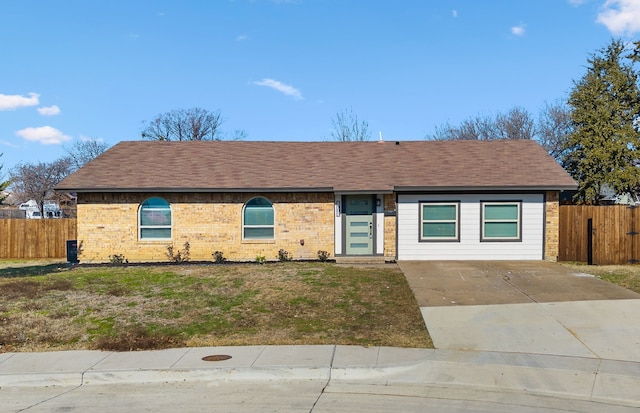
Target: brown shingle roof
<point>225,166</point>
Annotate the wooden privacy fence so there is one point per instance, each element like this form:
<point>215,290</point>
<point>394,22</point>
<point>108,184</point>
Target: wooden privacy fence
<point>599,234</point>
<point>35,238</point>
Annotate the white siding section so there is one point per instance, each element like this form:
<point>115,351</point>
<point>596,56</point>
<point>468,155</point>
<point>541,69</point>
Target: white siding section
<point>379,219</point>
<point>337,205</point>
<point>470,247</point>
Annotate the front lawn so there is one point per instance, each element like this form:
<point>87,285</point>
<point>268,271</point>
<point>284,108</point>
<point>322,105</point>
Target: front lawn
<point>627,276</point>
<point>50,306</point>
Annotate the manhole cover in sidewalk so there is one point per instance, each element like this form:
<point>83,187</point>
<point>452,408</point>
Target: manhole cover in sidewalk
<point>216,357</point>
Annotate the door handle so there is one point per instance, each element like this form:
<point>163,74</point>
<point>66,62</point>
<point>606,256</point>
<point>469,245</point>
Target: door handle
<point>370,230</point>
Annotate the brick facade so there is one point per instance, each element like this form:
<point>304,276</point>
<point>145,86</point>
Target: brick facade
<point>552,225</point>
<point>108,225</point>
<point>390,244</point>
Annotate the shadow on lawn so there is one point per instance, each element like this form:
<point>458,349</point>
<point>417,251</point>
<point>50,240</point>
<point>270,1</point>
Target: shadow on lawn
<point>33,270</point>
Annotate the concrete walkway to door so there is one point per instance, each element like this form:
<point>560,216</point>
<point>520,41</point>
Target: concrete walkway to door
<point>525,307</point>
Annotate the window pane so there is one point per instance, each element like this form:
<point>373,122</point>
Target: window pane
<point>500,212</point>
<point>259,202</point>
<point>155,233</point>
<point>155,217</point>
<point>501,229</point>
<point>439,212</point>
<point>258,215</point>
<point>258,233</point>
<point>439,230</point>
<point>155,203</point>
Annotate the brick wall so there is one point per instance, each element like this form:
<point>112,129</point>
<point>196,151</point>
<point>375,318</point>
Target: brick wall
<point>552,225</point>
<point>390,252</point>
<point>108,224</point>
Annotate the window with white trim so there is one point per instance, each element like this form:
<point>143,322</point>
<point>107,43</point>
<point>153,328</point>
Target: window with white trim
<point>258,219</point>
<point>501,221</point>
<point>440,221</point>
<point>154,220</point>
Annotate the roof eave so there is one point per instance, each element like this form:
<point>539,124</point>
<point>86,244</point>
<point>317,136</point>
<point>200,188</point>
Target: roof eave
<point>525,188</point>
<point>188,190</point>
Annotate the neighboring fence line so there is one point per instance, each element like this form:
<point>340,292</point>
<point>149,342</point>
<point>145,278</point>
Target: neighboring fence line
<point>13,214</point>
<point>36,238</point>
<point>599,234</point>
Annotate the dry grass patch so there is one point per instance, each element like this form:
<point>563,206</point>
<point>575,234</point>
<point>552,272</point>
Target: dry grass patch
<point>627,276</point>
<point>147,307</point>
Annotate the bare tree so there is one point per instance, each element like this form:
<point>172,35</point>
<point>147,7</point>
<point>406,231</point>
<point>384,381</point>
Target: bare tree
<point>478,128</point>
<point>347,128</point>
<point>3,184</point>
<point>516,124</point>
<point>193,124</point>
<point>554,127</point>
<point>37,181</point>
<point>83,151</point>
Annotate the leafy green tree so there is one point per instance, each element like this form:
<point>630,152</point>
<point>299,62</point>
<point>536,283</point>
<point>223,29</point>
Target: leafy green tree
<point>3,184</point>
<point>603,147</point>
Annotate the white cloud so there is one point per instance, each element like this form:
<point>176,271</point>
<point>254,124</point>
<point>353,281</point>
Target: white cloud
<point>280,87</point>
<point>9,144</point>
<point>576,2</point>
<point>620,16</point>
<point>46,135</point>
<point>49,110</point>
<point>242,37</point>
<point>518,30</point>
<point>454,13</point>
<point>11,102</point>
<point>90,139</point>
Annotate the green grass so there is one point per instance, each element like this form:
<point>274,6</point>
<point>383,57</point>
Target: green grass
<point>627,276</point>
<point>54,306</point>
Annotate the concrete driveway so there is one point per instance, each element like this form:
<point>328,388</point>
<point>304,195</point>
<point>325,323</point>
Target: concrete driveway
<point>525,307</point>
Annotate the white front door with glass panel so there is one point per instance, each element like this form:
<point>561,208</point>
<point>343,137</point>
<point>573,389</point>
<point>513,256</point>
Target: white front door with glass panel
<point>359,224</point>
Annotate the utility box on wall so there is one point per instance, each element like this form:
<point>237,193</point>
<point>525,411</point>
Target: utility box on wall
<point>72,251</point>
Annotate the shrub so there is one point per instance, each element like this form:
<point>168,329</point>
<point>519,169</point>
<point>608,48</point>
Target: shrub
<point>260,259</point>
<point>218,257</point>
<point>323,255</point>
<point>284,255</point>
<point>118,259</point>
<point>179,256</point>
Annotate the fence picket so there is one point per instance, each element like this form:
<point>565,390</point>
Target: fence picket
<point>36,238</point>
<point>613,226</point>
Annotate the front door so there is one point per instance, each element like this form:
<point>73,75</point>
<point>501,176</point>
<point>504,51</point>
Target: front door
<point>359,224</point>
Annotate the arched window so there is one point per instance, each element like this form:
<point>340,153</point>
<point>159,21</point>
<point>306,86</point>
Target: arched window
<point>257,219</point>
<point>154,222</point>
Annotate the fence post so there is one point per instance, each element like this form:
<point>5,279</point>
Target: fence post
<point>590,241</point>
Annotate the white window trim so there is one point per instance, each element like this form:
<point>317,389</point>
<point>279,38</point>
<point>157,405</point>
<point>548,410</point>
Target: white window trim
<point>518,221</point>
<point>141,227</point>
<point>423,238</point>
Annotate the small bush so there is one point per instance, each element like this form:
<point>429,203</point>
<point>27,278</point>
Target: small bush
<point>261,259</point>
<point>323,255</point>
<point>118,259</point>
<point>284,255</point>
<point>179,256</point>
<point>218,257</point>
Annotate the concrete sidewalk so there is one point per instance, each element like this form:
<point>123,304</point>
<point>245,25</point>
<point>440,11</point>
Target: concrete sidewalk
<point>342,369</point>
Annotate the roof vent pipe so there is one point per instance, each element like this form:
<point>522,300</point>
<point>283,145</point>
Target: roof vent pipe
<point>380,141</point>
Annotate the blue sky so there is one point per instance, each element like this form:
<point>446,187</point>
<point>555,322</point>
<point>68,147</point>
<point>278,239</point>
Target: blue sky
<point>281,70</point>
